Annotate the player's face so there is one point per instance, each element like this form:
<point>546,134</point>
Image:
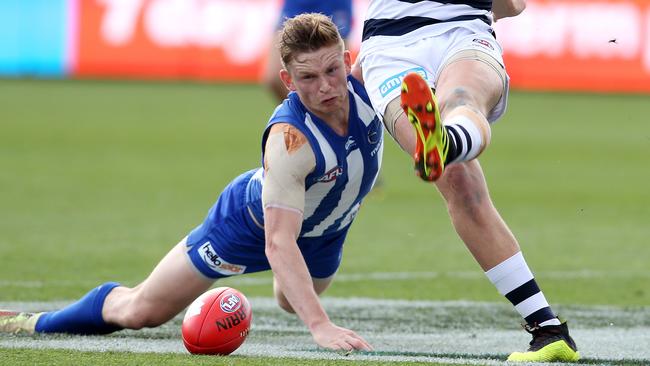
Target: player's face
<point>320,79</point>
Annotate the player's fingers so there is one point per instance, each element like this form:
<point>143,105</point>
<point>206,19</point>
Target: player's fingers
<point>345,347</point>
<point>359,343</point>
<point>356,342</point>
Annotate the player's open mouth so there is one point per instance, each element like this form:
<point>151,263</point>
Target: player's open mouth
<point>329,101</point>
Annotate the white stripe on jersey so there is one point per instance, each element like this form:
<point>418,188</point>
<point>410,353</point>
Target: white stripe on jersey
<point>366,113</point>
<point>320,189</point>
<point>348,196</point>
<point>393,9</point>
<point>351,215</point>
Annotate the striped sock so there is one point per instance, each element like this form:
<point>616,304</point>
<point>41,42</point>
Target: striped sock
<point>464,139</point>
<point>515,281</point>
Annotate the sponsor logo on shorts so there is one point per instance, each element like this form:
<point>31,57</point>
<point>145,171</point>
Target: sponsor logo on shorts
<point>230,304</point>
<point>330,175</point>
<point>218,264</point>
<point>395,81</point>
<point>483,43</point>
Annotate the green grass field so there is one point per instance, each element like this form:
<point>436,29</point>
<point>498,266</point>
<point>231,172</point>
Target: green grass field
<point>100,179</point>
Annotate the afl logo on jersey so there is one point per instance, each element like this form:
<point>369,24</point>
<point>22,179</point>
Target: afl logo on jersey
<point>330,175</point>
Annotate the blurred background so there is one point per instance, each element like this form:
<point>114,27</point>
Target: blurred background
<point>580,45</point>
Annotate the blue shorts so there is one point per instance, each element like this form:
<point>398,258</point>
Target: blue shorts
<point>229,242</point>
<point>339,10</point>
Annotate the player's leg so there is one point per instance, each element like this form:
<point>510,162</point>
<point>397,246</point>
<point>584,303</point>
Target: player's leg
<point>479,224</point>
<point>452,125</point>
<point>170,288</point>
<point>468,103</point>
<point>172,285</point>
<point>468,89</point>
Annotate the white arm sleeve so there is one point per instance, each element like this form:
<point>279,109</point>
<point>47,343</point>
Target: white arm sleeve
<point>288,159</point>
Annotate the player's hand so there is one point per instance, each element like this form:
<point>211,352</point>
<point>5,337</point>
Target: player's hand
<point>331,336</point>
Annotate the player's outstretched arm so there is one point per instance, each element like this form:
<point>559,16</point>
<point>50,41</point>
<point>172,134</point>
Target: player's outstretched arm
<point>288,160</point>
<point>507,8</point>
<point>291,274</point>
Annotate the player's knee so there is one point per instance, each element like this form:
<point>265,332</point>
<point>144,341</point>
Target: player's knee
<point>455,98</point>
<point>283,303</point>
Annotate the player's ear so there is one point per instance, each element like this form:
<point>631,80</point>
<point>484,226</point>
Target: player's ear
<point>347,59</point>
<point>285,76</point>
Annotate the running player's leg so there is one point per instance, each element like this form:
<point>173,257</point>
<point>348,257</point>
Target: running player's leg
<point>469,87</point>
<point>472,91</point>
<point>468,90</point>
<point>468,93</point>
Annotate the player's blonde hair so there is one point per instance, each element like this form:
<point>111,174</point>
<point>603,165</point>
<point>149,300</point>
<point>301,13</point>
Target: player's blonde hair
<point>306,33</point>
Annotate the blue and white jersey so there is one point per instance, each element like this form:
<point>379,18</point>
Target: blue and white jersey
<point>231,239</point>
<point>386,19</point>
<point>346,166</point>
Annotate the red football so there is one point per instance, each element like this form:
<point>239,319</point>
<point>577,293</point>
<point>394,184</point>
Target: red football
<point>217,322</point>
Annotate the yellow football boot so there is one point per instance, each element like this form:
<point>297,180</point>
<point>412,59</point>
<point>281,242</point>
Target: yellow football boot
<point>18,323</point>
<point>551,343</point>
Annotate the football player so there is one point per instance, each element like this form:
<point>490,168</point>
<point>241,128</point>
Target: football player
<point>321,152</point>
<point>411,49</point>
